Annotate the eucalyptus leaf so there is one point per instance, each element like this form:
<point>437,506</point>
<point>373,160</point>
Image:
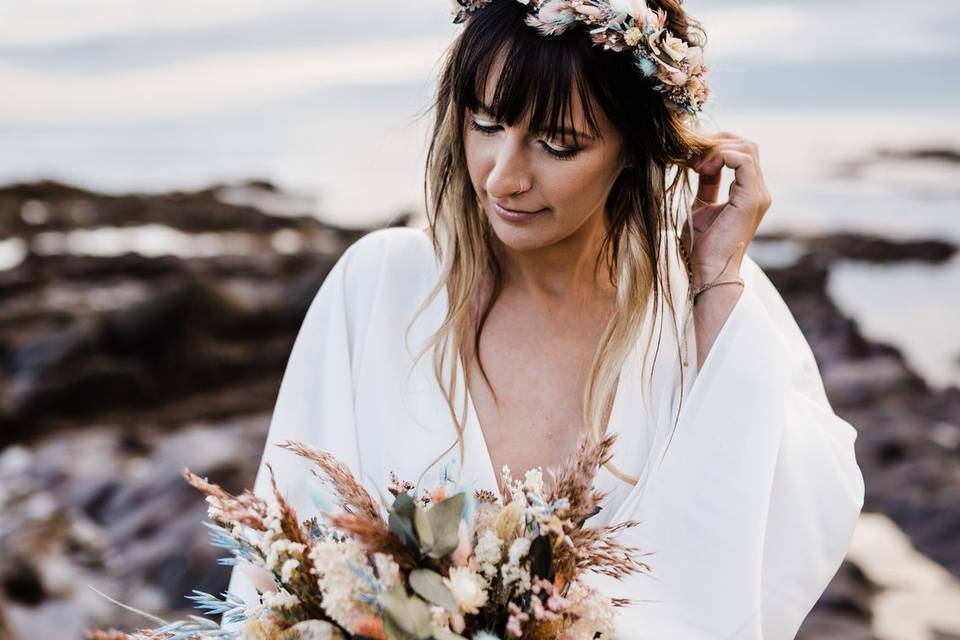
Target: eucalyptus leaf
<point>445,524</point>
<point>404,504</point>
<point>402,526</point>
<point>429,584</point>
<point>409,614</point>
<point>400,519</point>
<point>393,630</point>
<point>424,528</point>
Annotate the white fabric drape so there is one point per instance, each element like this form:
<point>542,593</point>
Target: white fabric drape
<point>747,515</point>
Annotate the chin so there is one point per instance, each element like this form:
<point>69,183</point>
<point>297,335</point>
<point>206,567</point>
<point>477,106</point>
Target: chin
<point>525,236</point>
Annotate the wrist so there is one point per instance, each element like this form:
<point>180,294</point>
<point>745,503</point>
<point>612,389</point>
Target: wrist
<point>707,273</point>
<point>726,293</point>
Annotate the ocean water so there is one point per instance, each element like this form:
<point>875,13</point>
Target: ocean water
<point>331,102</point>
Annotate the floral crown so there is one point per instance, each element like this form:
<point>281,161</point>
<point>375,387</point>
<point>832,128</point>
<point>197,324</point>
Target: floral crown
<point>675,66</point>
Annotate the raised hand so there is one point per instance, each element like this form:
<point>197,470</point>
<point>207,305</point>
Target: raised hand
<point>723,230</point>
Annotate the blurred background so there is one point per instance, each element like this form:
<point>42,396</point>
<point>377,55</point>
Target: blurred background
<point>176,179</point>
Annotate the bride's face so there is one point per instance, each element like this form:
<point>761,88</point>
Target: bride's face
<point>563,187</point>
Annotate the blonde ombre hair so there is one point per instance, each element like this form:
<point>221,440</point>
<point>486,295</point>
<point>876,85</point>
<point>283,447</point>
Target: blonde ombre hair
<point>649,199</point>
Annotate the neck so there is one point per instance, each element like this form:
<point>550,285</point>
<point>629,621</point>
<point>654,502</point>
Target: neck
<point>563,270</point>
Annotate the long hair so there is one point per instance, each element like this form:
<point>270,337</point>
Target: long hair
<point>651,196</point>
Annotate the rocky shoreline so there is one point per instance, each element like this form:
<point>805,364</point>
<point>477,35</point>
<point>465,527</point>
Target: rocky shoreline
<point>119,369</point>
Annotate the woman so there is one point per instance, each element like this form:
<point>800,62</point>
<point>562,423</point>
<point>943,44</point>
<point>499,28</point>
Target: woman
<point>556,297</point>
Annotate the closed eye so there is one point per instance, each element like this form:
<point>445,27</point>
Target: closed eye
<point>562,154</point>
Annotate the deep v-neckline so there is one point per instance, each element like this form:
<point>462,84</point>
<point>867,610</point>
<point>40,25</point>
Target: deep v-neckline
<point>472,427</point>
<point>473,422</point>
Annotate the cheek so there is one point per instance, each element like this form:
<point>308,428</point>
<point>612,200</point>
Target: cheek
<point>477,146</point>
<point>477,164</point>
<point>576,183</point>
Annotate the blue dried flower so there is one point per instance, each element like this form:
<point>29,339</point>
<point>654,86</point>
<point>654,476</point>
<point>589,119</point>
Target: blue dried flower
<point>646,66</point>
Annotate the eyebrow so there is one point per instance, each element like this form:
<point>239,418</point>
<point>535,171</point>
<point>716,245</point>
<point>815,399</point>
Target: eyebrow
<point>578,135</point>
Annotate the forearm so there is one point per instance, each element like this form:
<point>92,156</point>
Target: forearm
<point>711,311</point>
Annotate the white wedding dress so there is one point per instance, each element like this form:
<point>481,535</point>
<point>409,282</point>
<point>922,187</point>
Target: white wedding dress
<point>745,519</point>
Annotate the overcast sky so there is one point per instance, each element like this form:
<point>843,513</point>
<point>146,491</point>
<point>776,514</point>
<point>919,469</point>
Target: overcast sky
<point>110,61</point>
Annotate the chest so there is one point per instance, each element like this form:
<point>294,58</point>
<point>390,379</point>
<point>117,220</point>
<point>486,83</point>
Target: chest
<point>529,406</point>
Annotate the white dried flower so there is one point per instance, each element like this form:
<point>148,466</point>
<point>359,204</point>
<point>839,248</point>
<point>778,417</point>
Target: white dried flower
<point>467,588</point>
<point>281,549</point>
<point>274,528</point>
<point>632,36</point>
<point>675,48</point>
<point>281,599</point>
<point>340,585</point>
<point>519,549</point>
<point>388,571</point>
<point>288,568</point>
<point>512,571</point>
<point>595,612</point>
<point>487,554</point>
<point>439,617</point>
<point>533,481</point>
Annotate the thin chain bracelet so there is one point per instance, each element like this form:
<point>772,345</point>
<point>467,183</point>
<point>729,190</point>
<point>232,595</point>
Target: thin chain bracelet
<point>696,292</point>
<point>703,288</point>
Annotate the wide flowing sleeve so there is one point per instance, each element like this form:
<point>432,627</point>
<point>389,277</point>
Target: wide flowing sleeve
<point>315,403</point>
<point>749,513</point>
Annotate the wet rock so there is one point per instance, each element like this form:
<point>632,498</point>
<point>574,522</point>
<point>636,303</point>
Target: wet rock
<point>943,154</point>
<point>901,422</point>
<point>844,610</point>
<point>152,330</point>
<point>27,209</point>
<point>123,521</point>
<point>118,370</point>
<point>855,246</point>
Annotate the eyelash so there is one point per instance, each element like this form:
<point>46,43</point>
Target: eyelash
<point>562,155</point>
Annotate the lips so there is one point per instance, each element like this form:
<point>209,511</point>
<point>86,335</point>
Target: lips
<point>515,210</point>
<point>514,216</point>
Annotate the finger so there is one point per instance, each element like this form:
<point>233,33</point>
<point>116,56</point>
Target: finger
<point>698,162</point>
<point>709,171</point>
<point>750,148</point>
<point>744,144</point>
<point>746,180</point>
<point>738,144</point>
<point>710,166</point>
<point>746,183</point>
<point>708,186</point>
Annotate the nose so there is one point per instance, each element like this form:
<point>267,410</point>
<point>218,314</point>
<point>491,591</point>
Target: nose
<point>511,167</point>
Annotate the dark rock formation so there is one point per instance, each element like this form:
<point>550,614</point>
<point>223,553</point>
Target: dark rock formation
<point>909,434</point>
<point>117,371</point>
